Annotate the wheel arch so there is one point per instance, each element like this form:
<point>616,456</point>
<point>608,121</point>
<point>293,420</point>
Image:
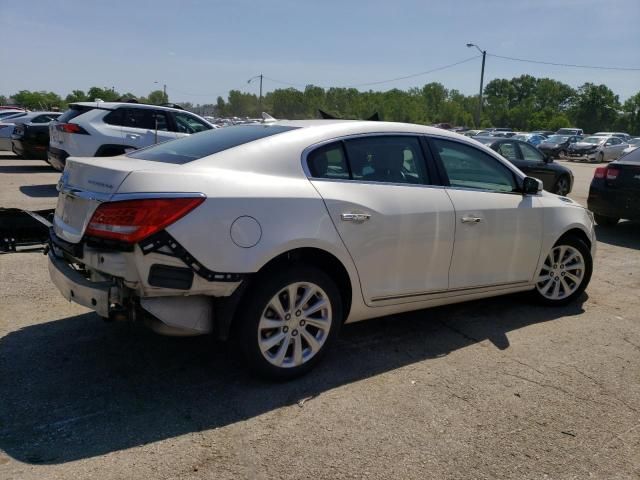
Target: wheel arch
<point>226,308</point>
<point>576,232</point>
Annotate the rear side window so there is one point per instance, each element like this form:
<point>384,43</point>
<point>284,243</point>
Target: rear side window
<point>144,118</point>
<point>45,118</point>
<point>198,146</point>
<point>73,112</point>
<point>329,162</point>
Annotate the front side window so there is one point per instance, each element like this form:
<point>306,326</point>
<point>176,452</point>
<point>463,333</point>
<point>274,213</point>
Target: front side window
<point>529,153</point>
<point>390,159</point>
<point>468,167</point>
<point>186,123</point>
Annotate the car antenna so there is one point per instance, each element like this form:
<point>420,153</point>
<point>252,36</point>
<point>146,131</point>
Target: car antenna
<point>266,118</point>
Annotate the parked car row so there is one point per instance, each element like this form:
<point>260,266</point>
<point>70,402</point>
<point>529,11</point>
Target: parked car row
<point>8,126</point>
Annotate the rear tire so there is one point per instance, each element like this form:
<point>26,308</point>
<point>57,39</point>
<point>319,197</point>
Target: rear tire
<point>606,221</point>
<point>279,339</point>
<point>566,272</point>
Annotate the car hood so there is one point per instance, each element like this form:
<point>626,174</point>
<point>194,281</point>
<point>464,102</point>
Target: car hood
<point>583,146</point>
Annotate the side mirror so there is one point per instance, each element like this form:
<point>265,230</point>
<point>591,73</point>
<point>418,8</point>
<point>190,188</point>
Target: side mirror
<point>531,186</point>
<point>547,159</point>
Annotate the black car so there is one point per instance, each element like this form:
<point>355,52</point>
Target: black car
<point>556,178</point>
<point>556,145</point>
<point>30,140</point>
<point>615,190</point>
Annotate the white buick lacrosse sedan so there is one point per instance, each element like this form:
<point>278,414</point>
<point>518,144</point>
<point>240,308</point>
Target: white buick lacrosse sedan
<point>278,233</point>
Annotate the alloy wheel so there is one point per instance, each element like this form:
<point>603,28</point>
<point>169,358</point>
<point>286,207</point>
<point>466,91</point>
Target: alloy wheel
<point>562,273</point>
<point>294,325</point>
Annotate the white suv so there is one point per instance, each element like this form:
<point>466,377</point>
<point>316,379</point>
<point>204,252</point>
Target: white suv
<point>105,129</point>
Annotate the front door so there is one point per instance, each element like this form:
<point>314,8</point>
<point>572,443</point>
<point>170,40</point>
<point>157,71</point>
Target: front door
<point>498,230</point>
<point>397,227</point>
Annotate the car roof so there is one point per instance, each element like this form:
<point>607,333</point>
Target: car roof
<point>114,105</point>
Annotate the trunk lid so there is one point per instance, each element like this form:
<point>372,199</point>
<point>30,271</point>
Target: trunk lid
<point>84,184</point>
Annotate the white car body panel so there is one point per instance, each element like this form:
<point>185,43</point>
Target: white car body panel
<point>414,252</point>
<point>404,218</point>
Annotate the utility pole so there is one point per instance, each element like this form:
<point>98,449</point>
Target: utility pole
<point>484,55</point>
<point>260,97</point>
<point>166,100</point>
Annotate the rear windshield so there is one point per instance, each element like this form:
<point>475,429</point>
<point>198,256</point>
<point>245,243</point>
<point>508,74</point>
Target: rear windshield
<point>73,112</point>
<point>202,144</point>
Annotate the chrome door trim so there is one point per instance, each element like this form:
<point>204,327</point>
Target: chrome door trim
<point>453,292</point>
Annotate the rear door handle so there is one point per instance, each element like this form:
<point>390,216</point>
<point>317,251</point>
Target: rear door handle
<point>355,217</point>
<point>470,219</point>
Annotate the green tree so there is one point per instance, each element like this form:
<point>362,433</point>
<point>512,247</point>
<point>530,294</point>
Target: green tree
<point>595,107</point>
<point>629,121</point>
<point>105,94</point>
<point>157,97</point>
<point>76,96</point>
<point>41,100</point>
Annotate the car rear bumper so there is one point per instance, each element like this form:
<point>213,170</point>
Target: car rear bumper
<point>74,287</point>
<point>57,158</point>
<point>612,203</point>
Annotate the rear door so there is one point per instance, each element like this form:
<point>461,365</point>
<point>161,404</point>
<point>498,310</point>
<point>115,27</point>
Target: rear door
<point>397,226</point>
<point>498,233</point>
<point>142,127</point>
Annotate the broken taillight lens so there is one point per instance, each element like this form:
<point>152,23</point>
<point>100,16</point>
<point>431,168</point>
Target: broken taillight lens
<point>130,221</point>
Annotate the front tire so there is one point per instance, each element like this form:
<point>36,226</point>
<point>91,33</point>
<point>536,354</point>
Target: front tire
<point>289,321</point>
<point>566,272</point>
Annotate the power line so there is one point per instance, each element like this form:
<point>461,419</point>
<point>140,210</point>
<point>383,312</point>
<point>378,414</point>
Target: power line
<point>413,74</point>
<point>379,82</point>
<point>595,67</point>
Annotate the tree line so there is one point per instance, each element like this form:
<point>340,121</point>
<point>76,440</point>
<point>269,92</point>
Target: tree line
<point>522,103</point>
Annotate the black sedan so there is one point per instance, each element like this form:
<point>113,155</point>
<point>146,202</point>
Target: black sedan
<point>30,140</point>
<point>615,190</point>
<point>556,145</point>
<point>556,178</point>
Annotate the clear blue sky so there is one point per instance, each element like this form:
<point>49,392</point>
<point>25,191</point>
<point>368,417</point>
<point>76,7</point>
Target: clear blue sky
<point>202,49</point>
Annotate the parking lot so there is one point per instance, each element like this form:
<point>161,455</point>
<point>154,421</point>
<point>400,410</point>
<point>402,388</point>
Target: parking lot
<point>497,388</point>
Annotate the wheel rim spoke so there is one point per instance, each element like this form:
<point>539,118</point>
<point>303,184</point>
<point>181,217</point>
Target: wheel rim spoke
<point>305,297</point>
<point>278,359</point>
<point>565,286</point>
<point>276,306</point>
<point>270,323</point>
<point>311,340</point>
<point>546,288</point>
<point>319,323</point>
<point>270,342</point>
<point>297,350</point>
<point>314,308</point>
<point>573,278</point>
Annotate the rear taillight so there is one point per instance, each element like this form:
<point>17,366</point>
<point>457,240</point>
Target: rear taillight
<point>130,221</point>
<point>71,128</point>
<point>600,172</point>
<point>612,173</point>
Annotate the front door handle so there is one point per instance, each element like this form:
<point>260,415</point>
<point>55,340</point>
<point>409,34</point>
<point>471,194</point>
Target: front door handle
<point>471,219</point>
<point>355,217</point>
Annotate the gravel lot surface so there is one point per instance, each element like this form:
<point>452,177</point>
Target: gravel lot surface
<point>496,388</point>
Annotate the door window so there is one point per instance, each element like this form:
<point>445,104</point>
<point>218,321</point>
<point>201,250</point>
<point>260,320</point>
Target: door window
<point>329,162</point>
<point>508,150</point>
<point>529,153</point>
<point>45,118</point>
<point>468,167</point>
<point>389,159</point>
<point>189,124</point>
<point>144,118</point>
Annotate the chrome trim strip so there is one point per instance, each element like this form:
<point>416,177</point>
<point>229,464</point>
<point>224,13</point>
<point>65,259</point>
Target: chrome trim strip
<point>451,291</point>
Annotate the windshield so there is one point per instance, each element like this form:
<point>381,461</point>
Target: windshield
<point>521,137</point>
<point>594,140</point>
<point>570,131</point>
<point>206,143</point>
<point>557,139</point>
